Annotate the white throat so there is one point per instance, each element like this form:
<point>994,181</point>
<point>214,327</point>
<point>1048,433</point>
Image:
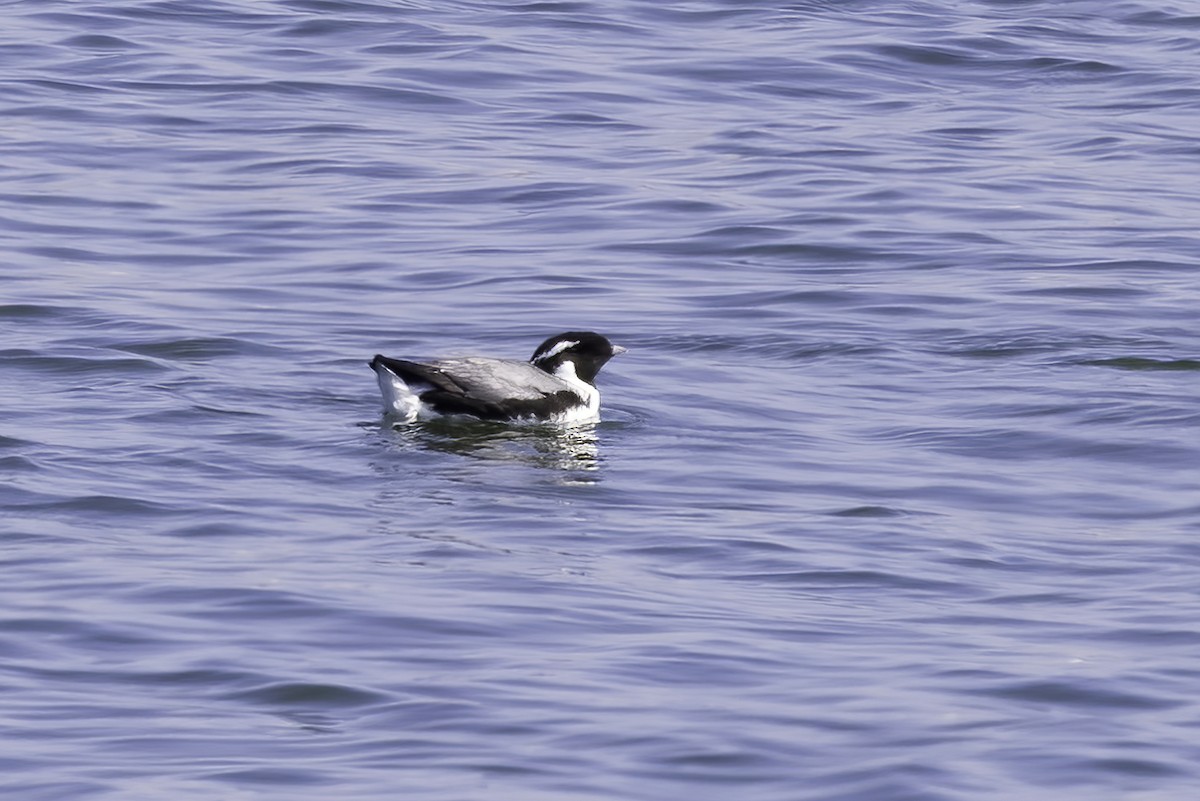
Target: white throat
<point>566,372</point>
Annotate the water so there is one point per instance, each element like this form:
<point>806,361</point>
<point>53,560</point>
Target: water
<point>895,496</point>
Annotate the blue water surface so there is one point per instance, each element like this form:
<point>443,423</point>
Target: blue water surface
<point>895,494</point>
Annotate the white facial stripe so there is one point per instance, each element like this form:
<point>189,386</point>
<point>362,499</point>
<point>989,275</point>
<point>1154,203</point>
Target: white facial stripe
<point>557,349</point>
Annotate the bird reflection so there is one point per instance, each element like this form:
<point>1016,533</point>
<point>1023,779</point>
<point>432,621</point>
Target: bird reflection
<point>546,446</point>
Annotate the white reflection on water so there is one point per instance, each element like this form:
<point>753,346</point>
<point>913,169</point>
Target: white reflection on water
<point>545,446</point>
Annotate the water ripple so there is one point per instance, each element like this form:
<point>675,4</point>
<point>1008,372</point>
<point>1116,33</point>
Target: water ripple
<point>894,490</point>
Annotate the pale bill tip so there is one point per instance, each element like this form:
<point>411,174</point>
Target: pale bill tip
<point>618,350</point>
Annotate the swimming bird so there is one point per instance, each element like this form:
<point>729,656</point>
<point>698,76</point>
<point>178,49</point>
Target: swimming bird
<point>556,385</point>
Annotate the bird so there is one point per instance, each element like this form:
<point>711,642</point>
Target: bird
<point>556,385</point>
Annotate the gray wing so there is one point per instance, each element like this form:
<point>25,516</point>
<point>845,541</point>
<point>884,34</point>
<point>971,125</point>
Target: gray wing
<point>501,380</point>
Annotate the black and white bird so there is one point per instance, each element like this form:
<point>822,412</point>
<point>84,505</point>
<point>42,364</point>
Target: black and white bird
<point>556,385</point>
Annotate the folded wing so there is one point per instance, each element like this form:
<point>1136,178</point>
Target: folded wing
<point>493,389</point>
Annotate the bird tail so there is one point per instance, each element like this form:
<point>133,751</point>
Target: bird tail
<point>399,399</point>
